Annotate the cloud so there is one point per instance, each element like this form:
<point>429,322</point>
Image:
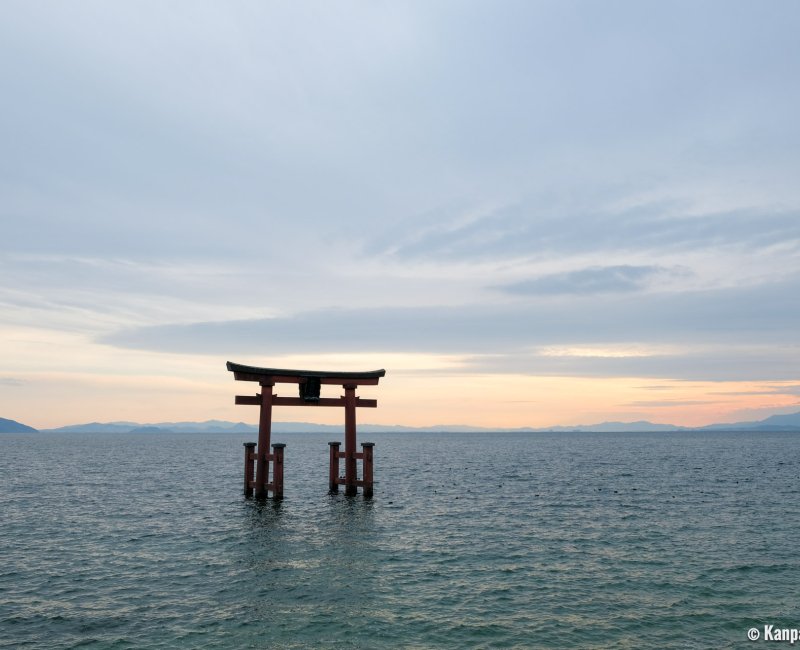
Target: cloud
<point>658,387</point>
<point>695,363</point>
<point>547,225</point>
<point>669,403</point>
<point>11,382</point>
<point>608,279</point>
<point>772,390</point>
<point>623,334</point>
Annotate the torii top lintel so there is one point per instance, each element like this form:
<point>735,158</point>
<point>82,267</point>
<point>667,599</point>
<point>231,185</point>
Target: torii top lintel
<point>287,376</point>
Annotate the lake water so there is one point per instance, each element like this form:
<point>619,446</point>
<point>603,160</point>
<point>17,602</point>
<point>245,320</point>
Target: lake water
<point>472,541</point>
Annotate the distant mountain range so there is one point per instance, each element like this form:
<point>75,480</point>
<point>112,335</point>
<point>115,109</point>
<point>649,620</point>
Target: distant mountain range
<point>790,422</point>
<point>12,426</point>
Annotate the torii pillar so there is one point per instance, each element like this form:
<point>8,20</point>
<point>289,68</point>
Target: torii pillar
<point>309,382</point>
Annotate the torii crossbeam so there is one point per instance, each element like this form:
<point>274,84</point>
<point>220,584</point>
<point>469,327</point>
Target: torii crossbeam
<point>309,382</point>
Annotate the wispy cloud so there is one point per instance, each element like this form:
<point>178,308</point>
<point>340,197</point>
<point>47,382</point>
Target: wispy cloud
<point>767,390</point>
<point>543,226</point>
<point>658,387</point>
<point>725,363</point>
<point>594,280</point>
<point>669,403</point>
<point>610,351</point>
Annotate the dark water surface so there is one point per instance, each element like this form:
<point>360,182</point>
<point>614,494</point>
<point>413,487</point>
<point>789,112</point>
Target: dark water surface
<point>501,541</point>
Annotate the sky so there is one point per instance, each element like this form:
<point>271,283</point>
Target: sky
<point>530,213</point>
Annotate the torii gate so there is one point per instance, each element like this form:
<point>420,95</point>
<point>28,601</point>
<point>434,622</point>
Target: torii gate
<point>309,382</point>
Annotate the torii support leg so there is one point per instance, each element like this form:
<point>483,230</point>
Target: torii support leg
<point>350,477</point>
<point>249,466</point>
<point>277,470</point>
<point>333,468</point>
<point>264,430</point>
<point>367,468</point>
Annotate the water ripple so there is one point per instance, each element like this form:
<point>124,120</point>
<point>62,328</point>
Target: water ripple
<point>503,541</point>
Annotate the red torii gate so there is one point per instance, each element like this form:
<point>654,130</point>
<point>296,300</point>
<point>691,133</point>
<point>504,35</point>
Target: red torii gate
<point>309,382</point>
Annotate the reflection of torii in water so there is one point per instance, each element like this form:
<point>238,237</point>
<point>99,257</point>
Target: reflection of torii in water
<point>309,382</point>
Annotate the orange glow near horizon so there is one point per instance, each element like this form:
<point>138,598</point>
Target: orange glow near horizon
<point>525,401</point>
<point>410,399</point>
<point>42,388</point>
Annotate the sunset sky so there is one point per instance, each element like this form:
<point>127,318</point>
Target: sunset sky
<point>530,213</point>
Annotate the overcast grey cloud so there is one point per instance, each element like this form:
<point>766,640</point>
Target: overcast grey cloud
<point>475,178</point>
